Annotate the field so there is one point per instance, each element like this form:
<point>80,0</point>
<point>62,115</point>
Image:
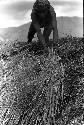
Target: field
<point>36,89</point>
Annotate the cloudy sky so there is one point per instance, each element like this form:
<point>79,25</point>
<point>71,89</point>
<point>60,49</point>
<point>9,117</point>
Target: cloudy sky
<point>17,12</point>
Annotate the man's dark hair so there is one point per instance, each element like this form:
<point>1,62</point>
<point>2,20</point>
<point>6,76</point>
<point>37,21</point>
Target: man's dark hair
<point>41,5</point>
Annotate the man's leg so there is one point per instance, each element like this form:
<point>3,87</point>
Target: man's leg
<point>47,32</point>
<point>30,36</point>
<point>31,33</point>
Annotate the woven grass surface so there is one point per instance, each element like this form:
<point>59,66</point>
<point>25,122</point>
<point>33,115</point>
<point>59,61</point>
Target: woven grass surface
<point>43,90</point>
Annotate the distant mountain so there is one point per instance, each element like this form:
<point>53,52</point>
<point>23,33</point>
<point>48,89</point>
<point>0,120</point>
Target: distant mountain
<point>66,26</point>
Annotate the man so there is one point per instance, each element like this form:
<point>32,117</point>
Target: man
<point>43,16</point>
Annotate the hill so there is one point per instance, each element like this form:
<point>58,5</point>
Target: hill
<point>66,26</point>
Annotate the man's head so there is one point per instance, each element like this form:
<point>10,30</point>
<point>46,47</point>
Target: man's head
<point>42,6</point>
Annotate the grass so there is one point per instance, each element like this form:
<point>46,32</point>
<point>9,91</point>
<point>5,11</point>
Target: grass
<point>35,89</point>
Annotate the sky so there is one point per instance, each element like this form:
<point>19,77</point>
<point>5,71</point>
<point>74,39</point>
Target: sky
<point>14,13</point>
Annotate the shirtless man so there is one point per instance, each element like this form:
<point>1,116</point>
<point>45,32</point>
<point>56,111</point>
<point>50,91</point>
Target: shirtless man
<point>43,16</point>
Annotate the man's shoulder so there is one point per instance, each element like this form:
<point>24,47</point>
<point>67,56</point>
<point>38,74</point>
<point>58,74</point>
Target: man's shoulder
<point>33,16</point>
<point>33,13</point>
<point>51,7</point>
<point>52,11</point>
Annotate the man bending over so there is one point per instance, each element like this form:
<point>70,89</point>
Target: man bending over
<point>43,16</point>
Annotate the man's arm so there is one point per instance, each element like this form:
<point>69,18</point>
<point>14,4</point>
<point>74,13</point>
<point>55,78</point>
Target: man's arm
<point>54,25</point>
<point>37,27</point>
<point>55,31</point>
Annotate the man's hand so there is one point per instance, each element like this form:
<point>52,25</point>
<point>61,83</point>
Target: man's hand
<point>41,38</point>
